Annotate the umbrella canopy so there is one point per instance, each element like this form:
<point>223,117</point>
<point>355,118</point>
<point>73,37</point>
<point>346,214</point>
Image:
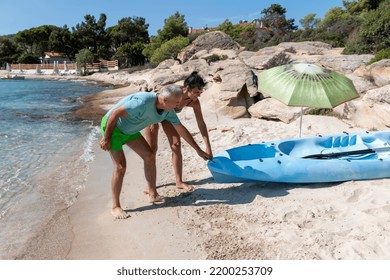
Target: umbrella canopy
<point>306,85</point>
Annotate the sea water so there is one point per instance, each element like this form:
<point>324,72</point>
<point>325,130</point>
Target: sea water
<point>44,156</point>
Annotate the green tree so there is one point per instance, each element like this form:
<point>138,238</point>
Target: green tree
<point>174,26</point>
<point>150,48</point>
<point>92,35</point>
<point>233,30</point>
<point>274,18</point>
<point>130,55</point>
<point>62,40</point>
<point>28,58</point>
<point>83,58</point>
<point>309,21</point>
<point>34,41</point>
<point>130,31</point>
<point>373,35</point>
<point>334,16</point>
<point>8,51</point>
<point>338,27</point>
<point>169,49</point>
<point>361,6</point>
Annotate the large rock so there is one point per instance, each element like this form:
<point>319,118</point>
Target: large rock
<point>373,110</point>
<point>380,72</point>
<point>361,84</point>
<point>208,41</point>
<point>273,109</point>
<point>306,48</point>
<point>344,63</point>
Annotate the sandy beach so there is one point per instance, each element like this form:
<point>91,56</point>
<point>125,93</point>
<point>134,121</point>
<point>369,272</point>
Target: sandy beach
<point>273,221</point>
<point>330,221</point>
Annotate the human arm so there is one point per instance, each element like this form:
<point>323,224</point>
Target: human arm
<point>202,125</point>
<point>185,134</point>
<point>111,123</point>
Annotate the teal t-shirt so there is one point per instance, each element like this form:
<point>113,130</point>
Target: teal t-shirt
<point>142,111</point>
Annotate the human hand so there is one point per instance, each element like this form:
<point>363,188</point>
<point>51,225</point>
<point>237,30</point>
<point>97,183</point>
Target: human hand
<point>208,150</point>
<point>204,155</point>
<point>105,144</point>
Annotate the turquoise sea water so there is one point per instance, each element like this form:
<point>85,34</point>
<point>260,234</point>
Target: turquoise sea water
<point>44,156</point>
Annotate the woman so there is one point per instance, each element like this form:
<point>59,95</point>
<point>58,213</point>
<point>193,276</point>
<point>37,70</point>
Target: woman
<point>193,87</point>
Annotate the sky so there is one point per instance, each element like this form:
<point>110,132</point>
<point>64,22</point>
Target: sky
<point>19,15</point>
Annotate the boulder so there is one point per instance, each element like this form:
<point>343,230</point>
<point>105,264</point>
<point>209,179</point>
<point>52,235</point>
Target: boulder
<point>272,109</point>
<point>361,84</point>
<point>208,41</point>
<point>380,72</point>
<point>373,110</point>
<point>306,48</point>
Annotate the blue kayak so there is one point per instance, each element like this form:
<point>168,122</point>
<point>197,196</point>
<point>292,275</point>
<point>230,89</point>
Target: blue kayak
<point>313,159</point>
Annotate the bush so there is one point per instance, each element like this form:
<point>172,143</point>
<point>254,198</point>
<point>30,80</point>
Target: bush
<point>323,112</point>
<point>279,59</point>
<point>28,58</point>
<point>83,58</point>
<point>214,58</point>
<point>382,54</point>
<point>169,49</point>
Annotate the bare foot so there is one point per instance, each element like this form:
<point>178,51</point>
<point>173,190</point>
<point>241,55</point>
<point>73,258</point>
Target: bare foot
<point>119,213</point>
<point>156,198</point>
<point>184,186</point>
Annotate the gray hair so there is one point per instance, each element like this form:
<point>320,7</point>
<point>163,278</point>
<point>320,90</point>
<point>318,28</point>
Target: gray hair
<point>170,91</point>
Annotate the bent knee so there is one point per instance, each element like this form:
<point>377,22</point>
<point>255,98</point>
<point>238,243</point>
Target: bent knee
<point>120,169</point>
<point>151,156</point>
<point>176,146</point>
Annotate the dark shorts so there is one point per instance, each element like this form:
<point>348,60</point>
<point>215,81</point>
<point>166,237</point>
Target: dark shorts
<point>118,139</point>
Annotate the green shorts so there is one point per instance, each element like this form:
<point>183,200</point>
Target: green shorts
<point>117,137</point>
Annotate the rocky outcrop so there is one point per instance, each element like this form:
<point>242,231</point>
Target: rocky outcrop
<point>208,41</point>
<point>231,76</point>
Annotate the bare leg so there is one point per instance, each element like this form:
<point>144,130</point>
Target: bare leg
<point>119,160</point>
<point>151,137</point>
<point>177,158</point>
<point>142,148</point>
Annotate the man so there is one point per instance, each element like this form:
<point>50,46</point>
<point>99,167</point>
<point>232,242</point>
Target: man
<point>192,89</point>
<point>122,125</point>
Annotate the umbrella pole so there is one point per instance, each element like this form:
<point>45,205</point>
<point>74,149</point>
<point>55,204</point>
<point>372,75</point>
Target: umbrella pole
<point>300,123</point>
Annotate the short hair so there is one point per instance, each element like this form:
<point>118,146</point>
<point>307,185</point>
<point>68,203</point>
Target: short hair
<point>194,80</point>
<point>170,91</point>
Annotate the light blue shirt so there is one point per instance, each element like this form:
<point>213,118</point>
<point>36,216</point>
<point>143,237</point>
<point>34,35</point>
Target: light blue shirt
<point>142,111</point>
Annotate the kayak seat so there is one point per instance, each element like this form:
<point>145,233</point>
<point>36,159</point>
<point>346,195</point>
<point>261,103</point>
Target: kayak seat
<point>250,152</point>
<point>299,148</point>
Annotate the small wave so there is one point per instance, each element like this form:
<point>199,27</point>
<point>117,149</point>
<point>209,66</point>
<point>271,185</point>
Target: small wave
<point>32,116</point>
<point>88,154</point>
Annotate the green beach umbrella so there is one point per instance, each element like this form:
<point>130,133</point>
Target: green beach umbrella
<point>306,85</point>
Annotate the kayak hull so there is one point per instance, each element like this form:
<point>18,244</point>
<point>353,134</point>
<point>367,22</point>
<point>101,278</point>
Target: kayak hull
<point>314,159</point>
